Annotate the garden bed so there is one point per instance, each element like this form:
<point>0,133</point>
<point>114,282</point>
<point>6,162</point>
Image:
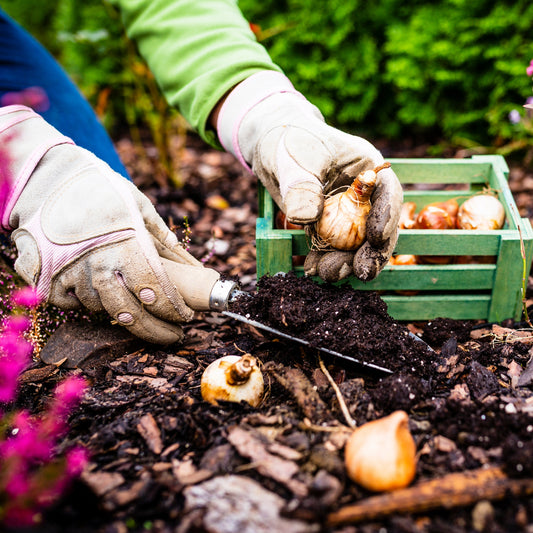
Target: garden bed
<point>164,460</point>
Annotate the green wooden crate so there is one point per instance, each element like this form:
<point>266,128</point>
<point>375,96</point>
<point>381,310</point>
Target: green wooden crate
<point>490,292</point>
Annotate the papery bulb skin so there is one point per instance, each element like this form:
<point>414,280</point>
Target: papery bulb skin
<point>403,259</point>
<point>233,378</point>
<point>433,217</point>
<point>481,212</point>
<point>407,216</point>
<point>451,207</point>
<point>343,222</point>
<point>283,223</point>
<point>381,455</point>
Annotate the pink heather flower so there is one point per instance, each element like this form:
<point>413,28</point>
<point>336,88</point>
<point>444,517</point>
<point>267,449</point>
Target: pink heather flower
<point>529,70</point>
<point>69,393</point>
<point>16,324</point>
<point>12,344</point>
<point>34,97</point>
<point>18,484</point>
<point>26,297</point>
<point>77,460</point>
<point>11,366</point>
<point>27,441</point>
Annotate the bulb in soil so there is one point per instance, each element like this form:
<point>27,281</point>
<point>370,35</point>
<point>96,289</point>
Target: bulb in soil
<point>381,455</point>
<point>233,378</point>
<point>342,225</point>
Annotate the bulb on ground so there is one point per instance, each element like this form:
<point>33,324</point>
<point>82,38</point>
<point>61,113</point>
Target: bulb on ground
<point>233,378</point>
<point>381,455</point>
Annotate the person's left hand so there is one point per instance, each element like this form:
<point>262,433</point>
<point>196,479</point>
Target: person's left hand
<point>283,138</point>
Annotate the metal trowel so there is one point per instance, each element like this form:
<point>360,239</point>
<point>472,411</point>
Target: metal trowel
<point>203,290</point>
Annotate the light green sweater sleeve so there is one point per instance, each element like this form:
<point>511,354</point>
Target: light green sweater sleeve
<point>196,49</point>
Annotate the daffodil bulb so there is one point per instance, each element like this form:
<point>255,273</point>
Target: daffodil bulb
<point>233,378</point>
<point>381,455</point>
<point>342,225</point>
<point>481,212</point>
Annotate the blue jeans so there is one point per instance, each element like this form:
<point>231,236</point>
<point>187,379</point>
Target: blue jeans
<point>24,63</point>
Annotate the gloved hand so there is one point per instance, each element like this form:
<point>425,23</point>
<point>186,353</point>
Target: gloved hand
<point>282,138</point>
<point>87,236</point>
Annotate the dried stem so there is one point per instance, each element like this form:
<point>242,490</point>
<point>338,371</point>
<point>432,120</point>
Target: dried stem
<point>344,408</point>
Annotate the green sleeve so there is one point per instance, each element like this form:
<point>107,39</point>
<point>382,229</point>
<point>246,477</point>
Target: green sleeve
<point>196,49</point>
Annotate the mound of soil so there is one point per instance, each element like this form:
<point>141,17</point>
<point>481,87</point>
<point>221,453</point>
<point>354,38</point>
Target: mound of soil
<point>339,318</point>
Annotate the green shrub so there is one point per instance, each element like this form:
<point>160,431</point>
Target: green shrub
<point>449,68</point>
<point>446,69</point>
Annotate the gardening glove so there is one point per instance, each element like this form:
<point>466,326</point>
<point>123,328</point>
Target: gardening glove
<point>85,235</point>
<point>282,138</point>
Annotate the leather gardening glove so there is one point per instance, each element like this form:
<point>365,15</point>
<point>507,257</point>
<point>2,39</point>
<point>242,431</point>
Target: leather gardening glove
<point>85,235</point>
<point>283,139</point>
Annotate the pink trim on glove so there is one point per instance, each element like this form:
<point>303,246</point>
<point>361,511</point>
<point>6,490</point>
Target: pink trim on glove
<point>241,100</point>
<point>54,257</point>
<point>18,182</point>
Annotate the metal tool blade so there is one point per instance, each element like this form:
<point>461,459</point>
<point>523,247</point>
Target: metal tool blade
<point>278,333</point>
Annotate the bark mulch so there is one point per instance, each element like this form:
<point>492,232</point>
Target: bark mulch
<point>164,460</point>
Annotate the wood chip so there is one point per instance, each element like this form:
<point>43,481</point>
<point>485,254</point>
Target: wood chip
<point>150,432</point>
<point>267,464</point>
<point>187,474</point>
<point>102,482</point>
<point>449,491</point>
<point>227,504</point>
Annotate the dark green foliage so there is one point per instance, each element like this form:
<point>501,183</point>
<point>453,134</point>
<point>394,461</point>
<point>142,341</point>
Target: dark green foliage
<point>451,68</point>
<point>446,69</point>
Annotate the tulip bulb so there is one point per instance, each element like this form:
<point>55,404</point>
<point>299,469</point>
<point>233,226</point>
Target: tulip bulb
<point>233,378</point>
<point>481,212</point>
<point>403,259</point>
<point>381,455</point>
<point>407,215</point>
<point>434,217</point>
<point>343,222</point>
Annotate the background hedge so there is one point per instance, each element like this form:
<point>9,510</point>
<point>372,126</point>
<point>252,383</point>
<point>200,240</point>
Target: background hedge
<point>445,70</point>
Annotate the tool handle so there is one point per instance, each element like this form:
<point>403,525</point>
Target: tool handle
<point>194,283</point>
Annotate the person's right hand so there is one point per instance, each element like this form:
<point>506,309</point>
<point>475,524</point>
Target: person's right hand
<point>85,235</point>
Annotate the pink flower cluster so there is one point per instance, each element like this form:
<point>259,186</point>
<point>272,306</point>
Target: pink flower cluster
<point>32,476</point>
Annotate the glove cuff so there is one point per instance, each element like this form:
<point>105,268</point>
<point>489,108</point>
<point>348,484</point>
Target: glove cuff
<point>22,149</point>
<point>241,100</point>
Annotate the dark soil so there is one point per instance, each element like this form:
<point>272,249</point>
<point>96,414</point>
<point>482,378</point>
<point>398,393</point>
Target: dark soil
<point>164,460</point>
<point>337,318</point>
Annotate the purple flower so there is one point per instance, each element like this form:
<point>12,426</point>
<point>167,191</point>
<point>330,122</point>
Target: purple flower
<point>514,117</point>
<point>66,398</point>
<point>11,366</point>
<point>26,297</point>
<point>27,444</point>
